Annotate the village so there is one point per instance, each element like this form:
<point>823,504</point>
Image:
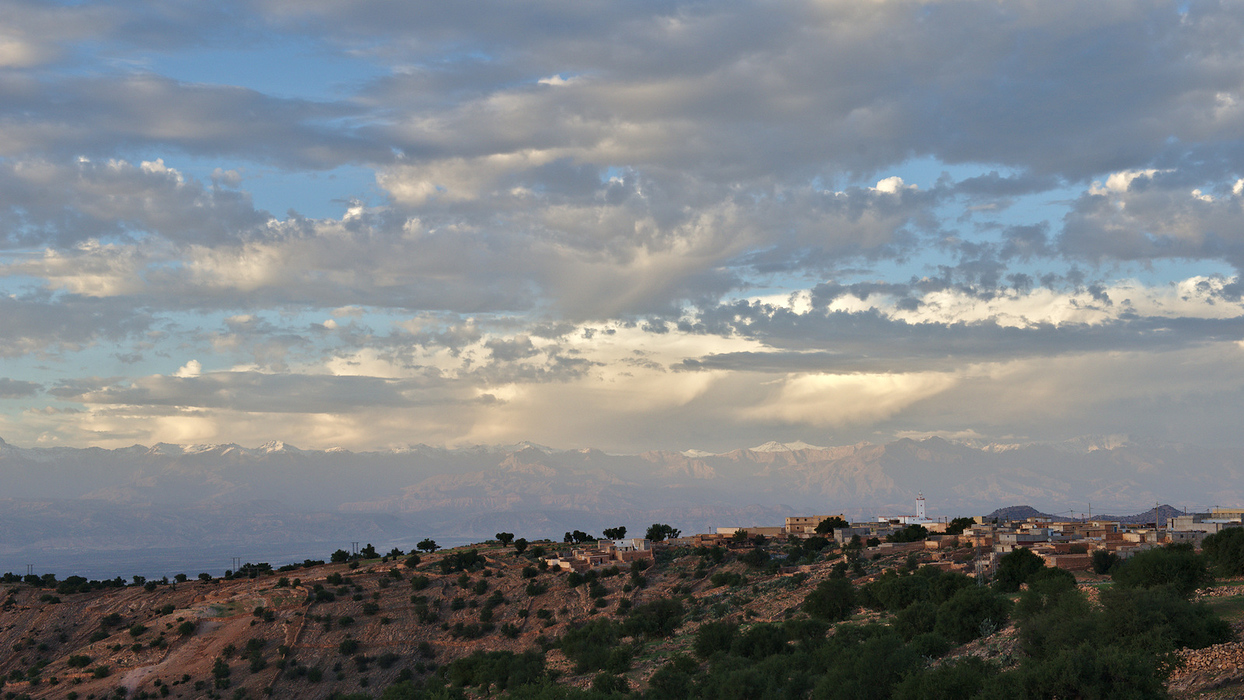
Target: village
<point>971,548</point>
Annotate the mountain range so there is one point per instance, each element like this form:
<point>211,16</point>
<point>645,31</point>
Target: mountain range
<point>69,500</point>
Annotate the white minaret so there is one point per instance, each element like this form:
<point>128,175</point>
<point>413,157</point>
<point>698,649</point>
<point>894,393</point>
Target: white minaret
<point>920,507</point>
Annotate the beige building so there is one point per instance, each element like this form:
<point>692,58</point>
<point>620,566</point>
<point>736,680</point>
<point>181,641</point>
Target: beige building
<point>802,525</point>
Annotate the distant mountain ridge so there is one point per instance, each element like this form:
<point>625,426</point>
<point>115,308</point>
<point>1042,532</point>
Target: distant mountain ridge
<point>1159,515</point>
<point>539,491</point>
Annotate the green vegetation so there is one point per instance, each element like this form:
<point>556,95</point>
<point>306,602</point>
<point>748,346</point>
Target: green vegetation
<point>818,648</point>
<point>1176,565</point>
<point>1225,551</point>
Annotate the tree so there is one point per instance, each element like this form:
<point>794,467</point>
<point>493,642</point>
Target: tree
<point>520,545</point>
<point>1225,550</point>
<point>369,552</point>
<point>1014,569</point>
<point>660,532</point>
<point>340,556</point>
<point>832,600</point>
<point>972,612</point>
<point>1174,565</point>
<point>428,545</point>
<point>1104,561</point>
<point>911,533</point>
<point>828,525</point>
<point>505,538</point>
<point>958,525</point>
<point>739,536</point>
<point>615,533</point>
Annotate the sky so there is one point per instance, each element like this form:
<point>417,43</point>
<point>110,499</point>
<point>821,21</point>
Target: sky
<point>622,225</point>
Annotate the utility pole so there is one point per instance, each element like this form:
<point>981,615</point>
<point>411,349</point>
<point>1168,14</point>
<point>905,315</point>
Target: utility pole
<point>30,569</point>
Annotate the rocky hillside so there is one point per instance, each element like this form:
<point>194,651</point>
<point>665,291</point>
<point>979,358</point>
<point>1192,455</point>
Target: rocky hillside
<point>321,631</point>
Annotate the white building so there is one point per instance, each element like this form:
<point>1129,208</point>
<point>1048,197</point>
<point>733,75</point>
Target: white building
<point>920,518</point>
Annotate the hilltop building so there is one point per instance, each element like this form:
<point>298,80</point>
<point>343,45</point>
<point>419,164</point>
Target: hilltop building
<point>805,525</point>
<point>919,518</point>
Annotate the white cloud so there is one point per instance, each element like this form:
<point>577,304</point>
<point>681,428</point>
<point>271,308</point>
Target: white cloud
<point>193,368</point>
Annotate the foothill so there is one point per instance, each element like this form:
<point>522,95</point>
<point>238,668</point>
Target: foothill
<point>817,606</point>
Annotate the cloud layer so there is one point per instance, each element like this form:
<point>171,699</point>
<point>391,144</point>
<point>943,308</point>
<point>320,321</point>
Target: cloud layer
<point>654,224</point>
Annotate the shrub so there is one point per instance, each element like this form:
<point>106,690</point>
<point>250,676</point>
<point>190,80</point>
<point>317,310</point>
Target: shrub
<point>594,647</point>
<point>714,637</point>
<point>660,618</point>
<point>833,599</point>
<point>502,669</point>
<point>727,578</point>
<point>1225,550</point>
<point>1177,566</point>
<point>971,613</point>
<point>1104,562</point>
<point>1015,567</point>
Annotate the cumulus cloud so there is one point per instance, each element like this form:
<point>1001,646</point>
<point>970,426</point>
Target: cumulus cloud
<point>619,225</point>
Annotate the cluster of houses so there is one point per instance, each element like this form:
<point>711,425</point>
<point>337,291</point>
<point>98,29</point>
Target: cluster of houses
<point>607,553</point>
<point>1064,544</point>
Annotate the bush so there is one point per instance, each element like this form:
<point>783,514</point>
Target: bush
<point>963,678</point>
<point>1225,550</point>
<point>469,560</point>
<point>1014,568</point>
<point>755,558</point>
<point>608,683</point>
<point>1104,562</point>
<point>971,613</point>
<point>502,669</point>
<point>1177,566</point>
<point>660,618</point>
<point>1160,619</point>
<point>714,637</point>
<point>594,647</point>
<point>832,600</point>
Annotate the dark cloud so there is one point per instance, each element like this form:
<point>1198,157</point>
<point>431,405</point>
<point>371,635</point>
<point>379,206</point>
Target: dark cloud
<point>59,205</point>
<point>1153,218</point>
<point>106,116</point>
<point>47,325</point>
<point>841,341</point>
<point>17,389</point>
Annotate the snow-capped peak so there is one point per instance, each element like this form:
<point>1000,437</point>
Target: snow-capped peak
<point>276,446</point>
<point>774,446</point>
